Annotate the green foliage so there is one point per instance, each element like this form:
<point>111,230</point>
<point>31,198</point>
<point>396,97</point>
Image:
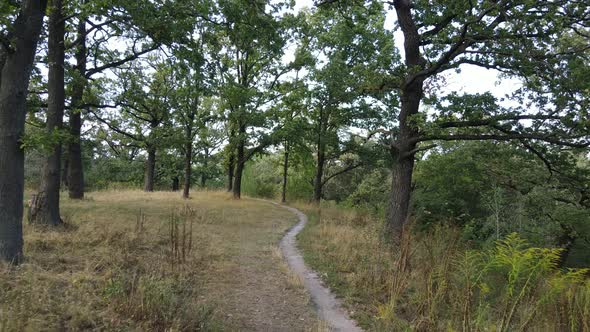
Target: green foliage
<point>261,178</point>
<point>494,189</point>
<point>44,141</point>
<point>435,282</point>
<point>104,173</point>
<point>372,192</point>
<point>8,12</point>
<point>509,284</point>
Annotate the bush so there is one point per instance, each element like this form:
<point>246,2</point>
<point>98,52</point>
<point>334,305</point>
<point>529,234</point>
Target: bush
<point>260,178</point>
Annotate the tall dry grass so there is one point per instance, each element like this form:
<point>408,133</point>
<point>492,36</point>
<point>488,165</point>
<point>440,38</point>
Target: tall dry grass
<point>434,282</point>
<point>115,265</point>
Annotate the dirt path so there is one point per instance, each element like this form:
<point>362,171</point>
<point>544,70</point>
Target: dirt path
<point>328,307</point>
<point>252,286</point>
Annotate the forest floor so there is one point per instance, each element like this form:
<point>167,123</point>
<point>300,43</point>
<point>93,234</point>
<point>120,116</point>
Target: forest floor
<point>128,260</point>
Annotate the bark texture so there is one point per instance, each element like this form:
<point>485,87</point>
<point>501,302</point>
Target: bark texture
<point>64,171</point>
<point>47,211</point>
<point>230,173</point>
<point>75,166</point>
<point>14,81</point>
<point>150,170</point>
<point>411,96</point>
<point>319,175</point>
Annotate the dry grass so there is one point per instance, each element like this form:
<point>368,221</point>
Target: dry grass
<point>128,260</point>
<point>432,282</point>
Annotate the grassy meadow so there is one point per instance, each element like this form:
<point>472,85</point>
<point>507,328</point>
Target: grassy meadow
<point>434,282</point>
<point>133,261</point>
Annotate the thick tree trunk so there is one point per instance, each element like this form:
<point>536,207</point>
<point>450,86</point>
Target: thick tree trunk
<point>399,203</point>
<point>150,170</point>
<point>47,213</point>
<point>285,174</point>
<point>75,167</point>
<point>403,149</point>
<point>237,187</point>
<point>240,162</point>
<point>3,57</point>
<point>14,82</point>
<point>188,156</point>
<point>230,173</point>
<point>319,175</point>
<point>401,186</point>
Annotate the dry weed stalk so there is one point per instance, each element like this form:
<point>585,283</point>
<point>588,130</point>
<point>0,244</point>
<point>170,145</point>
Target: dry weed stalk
<point>402,265</point>
<point>181,236</point>
<point>140,222</point>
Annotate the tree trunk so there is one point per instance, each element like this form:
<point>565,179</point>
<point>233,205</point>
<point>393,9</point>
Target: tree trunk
<point>14,82</point>
<point>400,197</point>
<point>75,167</point>
<point>240,161</point>
<point>230,173</point>
<point>404,147</point>
<point>285,174</point>
<point>64,171</point>
<point>3,57</point>
<point>150,170</point>
<point>205,165</point>
<point>321,161</point>
<point>175,183</point>
<point>48,212</point>
<point>401,186</point>
<point>187,168</point>
<point>566,242</point>
<point>319,175</point>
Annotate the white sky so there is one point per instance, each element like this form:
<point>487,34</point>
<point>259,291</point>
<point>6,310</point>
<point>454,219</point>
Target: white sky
<point>472,79</point>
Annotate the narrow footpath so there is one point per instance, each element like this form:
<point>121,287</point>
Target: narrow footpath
<point>327,305</point>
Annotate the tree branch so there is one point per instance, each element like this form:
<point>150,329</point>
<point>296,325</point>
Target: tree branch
<point>507,137</point>
<point>440,26</point>
<point>120,62</point>
<point>494,120</point>
<point>116,129</point>
<point>540,156</point>
<point>342,171</point>
<point>418,149</point>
